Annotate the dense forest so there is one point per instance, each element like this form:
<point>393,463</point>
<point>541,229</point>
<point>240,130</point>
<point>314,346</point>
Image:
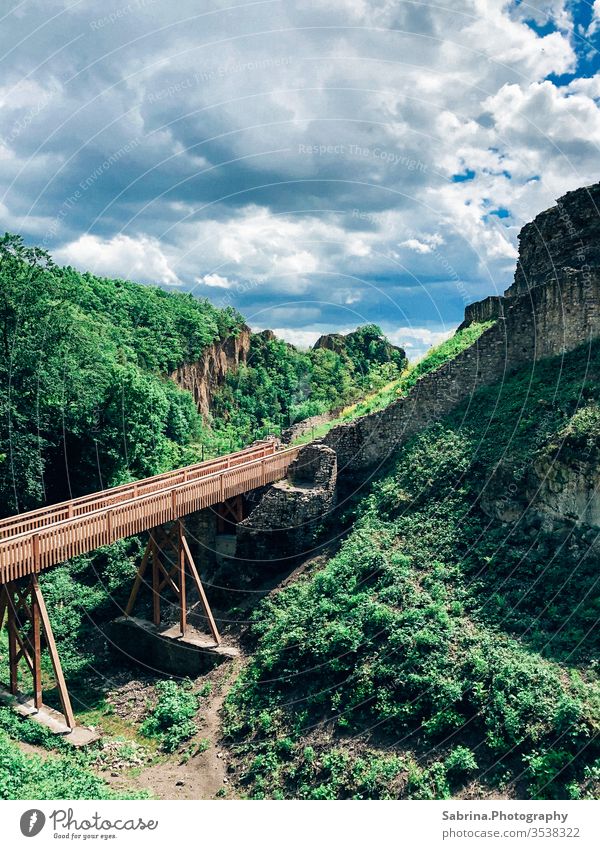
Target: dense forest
<point>85,399</point>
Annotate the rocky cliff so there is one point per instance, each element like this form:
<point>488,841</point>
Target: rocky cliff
<point>202,377</point>
<point>565,236</point>
<point>557,311</point>
<point>553,492</point>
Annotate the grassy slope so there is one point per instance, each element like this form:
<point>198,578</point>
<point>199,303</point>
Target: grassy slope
<point>65,773</point>
<point>395,389</point>
<point>440,653</point>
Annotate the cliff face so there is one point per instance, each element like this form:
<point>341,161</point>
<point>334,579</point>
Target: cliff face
<point>559,313</point>
<point>554,493</point>
<point>565,236</point>
<point>206,374</point>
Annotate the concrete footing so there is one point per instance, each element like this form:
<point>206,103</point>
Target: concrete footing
<point>163,649</point>
<point>50,718</point>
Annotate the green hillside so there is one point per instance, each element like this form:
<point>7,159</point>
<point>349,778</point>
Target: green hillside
<point>440,652</point>
<point>85,399</point>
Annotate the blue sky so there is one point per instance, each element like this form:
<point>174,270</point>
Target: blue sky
<point>315,167</point>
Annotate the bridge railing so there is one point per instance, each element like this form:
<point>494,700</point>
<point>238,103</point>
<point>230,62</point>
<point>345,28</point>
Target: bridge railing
<point>33,551</point>
<point>34,519</point>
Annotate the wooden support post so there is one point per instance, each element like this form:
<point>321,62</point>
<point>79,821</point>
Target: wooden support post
<point>25,609</point>
<point>58,673</point>
<point>174,577</point>
<point>155,583</point>
<point>139,578</point>
<point>2,604</point>
<point>182,596</point>
<point>201,593</point>
<point>12,644</point>
<point>36,644</point>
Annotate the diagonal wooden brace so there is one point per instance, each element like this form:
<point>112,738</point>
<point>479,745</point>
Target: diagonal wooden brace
<point>24,607</point>
<point>173,578</point>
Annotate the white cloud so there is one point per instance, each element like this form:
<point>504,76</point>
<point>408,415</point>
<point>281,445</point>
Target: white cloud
<point>418,340</point>
<point>215,281</point>
<point>425,245</point>
<point>416,245</point>
<point>594,26</point>
<point>300,338</point>
<point>122,256</point>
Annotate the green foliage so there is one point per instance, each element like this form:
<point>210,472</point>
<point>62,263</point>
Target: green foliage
<point>85,399</point>
<point>52,777</point>
<point>281,385</point>
<point>446,351</point>
<point>83,365</point>
<point>470,642</point>
<point>30,732</point>
<point>434,359</point>
<point>171,720</point>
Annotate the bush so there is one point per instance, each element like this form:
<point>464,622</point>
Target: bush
<point>172,718</point>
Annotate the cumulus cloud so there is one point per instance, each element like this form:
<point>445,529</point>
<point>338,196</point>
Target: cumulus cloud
<point>368,160</point>
<point>215,281</point>
<point>594,25</point>
<point>121,256</point>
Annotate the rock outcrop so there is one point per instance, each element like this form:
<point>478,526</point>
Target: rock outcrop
<point>355,341</point>
<point>551,492</point>
<point>565,236</point>
<point>202,377</point>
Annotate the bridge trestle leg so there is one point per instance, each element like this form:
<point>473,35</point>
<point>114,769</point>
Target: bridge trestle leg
<point>172,574</point>
<point>23,605</point>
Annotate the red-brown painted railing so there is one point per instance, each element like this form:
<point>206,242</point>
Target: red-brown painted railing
<point>42,538</point>
<point>34,519</point>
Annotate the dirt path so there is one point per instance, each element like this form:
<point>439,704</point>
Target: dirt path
<point>205,773</point>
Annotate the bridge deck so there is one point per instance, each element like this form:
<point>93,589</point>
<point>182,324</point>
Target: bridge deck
<point>34,541</point>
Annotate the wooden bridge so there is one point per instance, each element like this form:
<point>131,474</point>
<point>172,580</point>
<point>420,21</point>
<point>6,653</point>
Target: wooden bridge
<point>34,541</point>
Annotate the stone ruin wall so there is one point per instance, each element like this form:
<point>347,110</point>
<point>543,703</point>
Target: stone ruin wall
<point>547,321</point>
<point>287,520</point>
